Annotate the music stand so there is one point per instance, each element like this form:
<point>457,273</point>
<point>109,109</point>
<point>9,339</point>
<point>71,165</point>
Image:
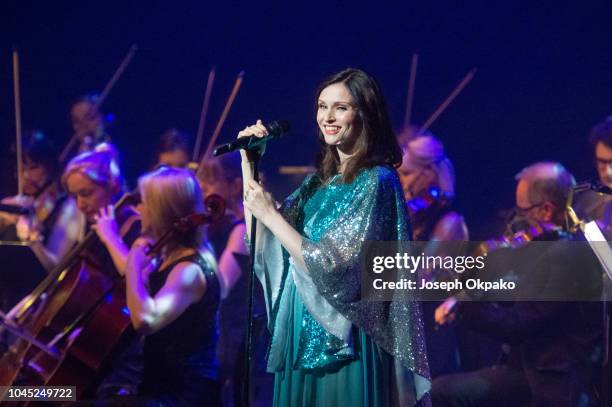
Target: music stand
<point>20,272</point>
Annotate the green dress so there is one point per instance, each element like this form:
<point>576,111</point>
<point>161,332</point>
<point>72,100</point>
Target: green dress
<point>329,346</point>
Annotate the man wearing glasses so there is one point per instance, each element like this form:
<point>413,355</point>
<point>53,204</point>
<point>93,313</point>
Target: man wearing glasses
<point>551,347</point>
<point>591,205</point>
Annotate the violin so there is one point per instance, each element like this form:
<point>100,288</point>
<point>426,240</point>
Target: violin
<point>519,235</point>
<point>425,210</point>
<point>33,213</point>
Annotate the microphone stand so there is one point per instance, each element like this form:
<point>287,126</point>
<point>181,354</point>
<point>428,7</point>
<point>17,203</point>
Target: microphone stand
<point>245,393</point>
<point>255,149</point>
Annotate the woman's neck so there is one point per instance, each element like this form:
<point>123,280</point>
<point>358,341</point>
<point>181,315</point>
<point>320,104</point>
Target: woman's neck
<point>344,158</point>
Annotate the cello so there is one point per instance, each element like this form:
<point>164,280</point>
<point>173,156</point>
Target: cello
<point>75,318</point>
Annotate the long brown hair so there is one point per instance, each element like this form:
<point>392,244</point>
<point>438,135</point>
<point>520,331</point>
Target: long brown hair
<point>376,143</point>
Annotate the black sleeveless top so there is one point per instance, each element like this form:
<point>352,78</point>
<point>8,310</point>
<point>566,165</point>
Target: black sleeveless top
<point>181,356</point>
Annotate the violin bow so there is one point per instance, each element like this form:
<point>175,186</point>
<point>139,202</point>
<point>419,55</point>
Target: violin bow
<point>228,106</point>
<point>203,113</point>
<point>17,98</point>
<point>410,97</point>
<point>105,92</point>
<point>464,82</point>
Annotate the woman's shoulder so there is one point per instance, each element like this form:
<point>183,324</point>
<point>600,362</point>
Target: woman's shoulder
<point>202,259</point>
<point>385,172</point>
<point>200,263</point>
<point>188,275</point>
<point>379,175</point>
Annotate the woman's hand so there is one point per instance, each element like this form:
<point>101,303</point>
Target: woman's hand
<point>259,202</point>
<point>106,225</point>
<point>257,130</point>
<point>138,259</point>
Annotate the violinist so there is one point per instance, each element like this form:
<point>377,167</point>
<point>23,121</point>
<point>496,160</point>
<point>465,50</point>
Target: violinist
<point>172,149</point>
<point>428,180</point>
<point>51,224</point>
<point>94,181</point>
<point>89,125</point>
<point>223,176</point>
<point>173,298</point>
<point>591,205</point>
<point>551,347</point>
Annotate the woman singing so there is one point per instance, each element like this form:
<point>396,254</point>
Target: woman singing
<point>174,299</point>
<point>329,346</point>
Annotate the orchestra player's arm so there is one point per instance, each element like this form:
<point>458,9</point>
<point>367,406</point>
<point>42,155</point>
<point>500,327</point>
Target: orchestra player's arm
<point>185,285</point>
<point>107,230</point>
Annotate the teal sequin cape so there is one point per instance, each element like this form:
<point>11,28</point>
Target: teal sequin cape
<point>319,322</point>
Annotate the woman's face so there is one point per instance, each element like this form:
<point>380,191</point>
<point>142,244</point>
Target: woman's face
<point>337,117</point>
<point>89,196</point>
<point>85,120</point>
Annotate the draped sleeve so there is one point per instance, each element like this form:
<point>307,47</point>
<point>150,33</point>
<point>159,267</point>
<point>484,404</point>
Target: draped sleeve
<point>373,210</point>
<point>338,226</point>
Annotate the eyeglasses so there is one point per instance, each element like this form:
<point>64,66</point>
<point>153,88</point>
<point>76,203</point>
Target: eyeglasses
<point>524,211</point>
<point>603,163</point>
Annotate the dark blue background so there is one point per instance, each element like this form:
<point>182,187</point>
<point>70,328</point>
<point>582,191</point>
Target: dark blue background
<point>544,75</point>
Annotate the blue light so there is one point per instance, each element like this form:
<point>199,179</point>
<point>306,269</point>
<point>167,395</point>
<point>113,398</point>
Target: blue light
<point>126,311</point>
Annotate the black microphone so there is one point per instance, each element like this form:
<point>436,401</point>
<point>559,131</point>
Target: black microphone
<point>275,129</point>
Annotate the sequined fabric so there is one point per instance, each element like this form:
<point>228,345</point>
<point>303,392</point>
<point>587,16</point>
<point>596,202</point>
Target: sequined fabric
<point>319,348</point>
<point>336,220</point>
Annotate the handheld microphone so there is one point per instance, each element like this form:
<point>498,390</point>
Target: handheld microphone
<point>276,129</point>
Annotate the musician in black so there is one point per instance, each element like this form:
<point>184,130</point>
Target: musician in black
<point>590,205</point>
<point>223,176</point>
<point>552,348</point>
<point>49,225</point>
<point>174,298</point>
